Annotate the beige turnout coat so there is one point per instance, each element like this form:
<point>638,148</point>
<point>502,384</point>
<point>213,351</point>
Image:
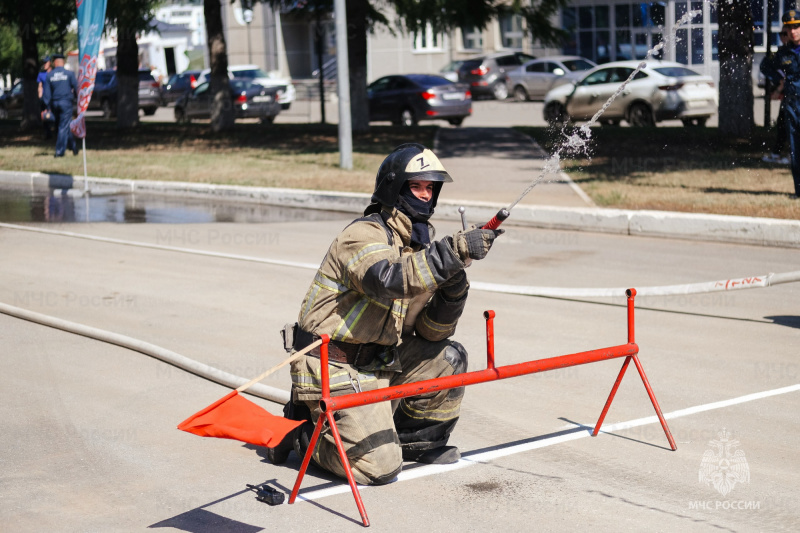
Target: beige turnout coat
<point>362,290</point>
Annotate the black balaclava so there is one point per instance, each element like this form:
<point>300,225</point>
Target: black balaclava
<point>419,212</point>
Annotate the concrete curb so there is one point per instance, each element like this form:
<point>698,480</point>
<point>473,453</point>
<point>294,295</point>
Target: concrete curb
<point>700,227</point>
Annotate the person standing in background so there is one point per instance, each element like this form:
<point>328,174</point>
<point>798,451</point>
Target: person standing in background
<point>784,68</point>
<point>40,79</point>
<point>59,94</point>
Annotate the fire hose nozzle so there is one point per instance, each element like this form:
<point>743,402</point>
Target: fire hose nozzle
<point>498,219</point>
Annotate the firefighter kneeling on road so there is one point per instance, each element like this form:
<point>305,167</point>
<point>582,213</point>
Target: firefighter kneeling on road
<point>389,298</point>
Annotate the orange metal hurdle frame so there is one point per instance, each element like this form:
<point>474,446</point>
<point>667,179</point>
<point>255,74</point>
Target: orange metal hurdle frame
<point>329,405</point>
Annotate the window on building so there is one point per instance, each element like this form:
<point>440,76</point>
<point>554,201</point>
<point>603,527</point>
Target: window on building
<point>760,15</point>
<point>471,38</point>
<point>641,47</point>
<point>680,9</point>
<point>658,13</point>
<point>637,27</point>
<point>697,6</point>
<point>638,15</point>
<point>601,17</point>
<point>586,17</point>
<point>698,54</point>
<point>714,46</point>
<point>428,40</point>
<point>569,22</point>
<point>511,32</point>
<point>623,49</point>
<point>602,49</point>
<point>682,47</point>
<point>657,38</point>
<point>622,15</point>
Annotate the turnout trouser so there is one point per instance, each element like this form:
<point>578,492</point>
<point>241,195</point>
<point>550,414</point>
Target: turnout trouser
<point>62,110</point>
<point>375,435</point>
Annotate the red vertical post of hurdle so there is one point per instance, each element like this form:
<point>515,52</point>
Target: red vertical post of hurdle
<point>631,294</point>
<point>328,415</point>
<point>489,316</point>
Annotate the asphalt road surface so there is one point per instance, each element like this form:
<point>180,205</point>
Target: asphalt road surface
<point>90,440</point>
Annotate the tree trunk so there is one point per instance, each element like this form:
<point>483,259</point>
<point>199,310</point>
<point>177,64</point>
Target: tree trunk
<point>735,67</point>
<point>319,37</point>
<point>127,78</point>
<point>357,58</point>
<point>222,116</point>
<point>31,111</point>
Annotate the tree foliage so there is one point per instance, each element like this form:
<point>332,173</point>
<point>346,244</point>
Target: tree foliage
<point>413,17</point>
<point>448,15</point>
<point>10,51</point>
<point>42,26</point>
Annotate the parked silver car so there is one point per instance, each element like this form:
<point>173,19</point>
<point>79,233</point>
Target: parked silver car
<point>661,90</point>
<point>534,79</point>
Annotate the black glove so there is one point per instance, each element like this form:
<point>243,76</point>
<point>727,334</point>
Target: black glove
<point>474,243</point>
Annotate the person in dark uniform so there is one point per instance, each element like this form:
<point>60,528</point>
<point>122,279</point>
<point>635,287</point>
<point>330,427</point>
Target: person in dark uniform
<point>59,94</point>
<point>40,79</point>
<point>785,68</point>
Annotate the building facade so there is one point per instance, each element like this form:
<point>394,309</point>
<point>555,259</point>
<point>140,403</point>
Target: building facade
<point>601,30</point>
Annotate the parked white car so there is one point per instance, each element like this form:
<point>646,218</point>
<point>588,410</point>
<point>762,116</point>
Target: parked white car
<point>534,79</point>
<point>662,90</point>
<point>261,77</point>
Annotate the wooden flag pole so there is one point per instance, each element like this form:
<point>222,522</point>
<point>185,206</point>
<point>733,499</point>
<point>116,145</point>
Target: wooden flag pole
<point>288,360</point>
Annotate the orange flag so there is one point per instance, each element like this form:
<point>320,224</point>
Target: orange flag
<point>237,418</point>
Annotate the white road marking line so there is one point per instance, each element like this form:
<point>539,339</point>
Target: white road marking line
<point>471,460</point>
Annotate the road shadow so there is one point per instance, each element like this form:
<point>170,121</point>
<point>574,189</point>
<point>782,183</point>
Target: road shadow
<point>785,320</point>
<point>194,138</point>
<point>497,143</point>
<point>199,520</point>
<point>615,434</point>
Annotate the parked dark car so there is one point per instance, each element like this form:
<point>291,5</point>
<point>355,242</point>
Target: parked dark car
<point>487,75</point>
<point>12,102</point>
<point>250,100</point>
<point>405,100</point>
<point>177,85</point>
<point>104,96</point>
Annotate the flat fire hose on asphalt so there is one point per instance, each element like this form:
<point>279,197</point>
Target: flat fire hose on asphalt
<point>190,365</point>
<point>281,396</point>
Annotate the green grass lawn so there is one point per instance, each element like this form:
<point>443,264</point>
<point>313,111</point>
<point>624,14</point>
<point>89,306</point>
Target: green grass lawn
<point>671,169</point>
<point>677,169</point>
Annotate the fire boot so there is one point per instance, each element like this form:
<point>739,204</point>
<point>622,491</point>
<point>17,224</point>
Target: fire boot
<point>443,455</point>
<point>280,453</point>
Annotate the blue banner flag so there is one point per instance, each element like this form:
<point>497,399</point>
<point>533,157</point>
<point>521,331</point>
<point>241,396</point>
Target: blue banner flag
<point>91,19</point>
